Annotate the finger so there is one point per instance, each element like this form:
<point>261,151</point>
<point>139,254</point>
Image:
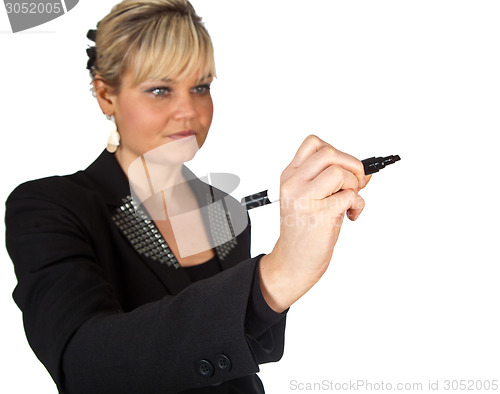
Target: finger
<point>367,179</point>
<point>339,203</point>
<point>309,146</point>
<point>330,181</point>
<point>356,209</point>
<point>326,156</point>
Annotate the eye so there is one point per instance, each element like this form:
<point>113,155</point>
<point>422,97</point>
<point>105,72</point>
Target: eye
<point>201,89</point>
<point>159,91</point>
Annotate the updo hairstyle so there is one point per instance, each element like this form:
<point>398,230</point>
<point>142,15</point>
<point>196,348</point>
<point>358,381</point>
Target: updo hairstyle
<point>155,39</point>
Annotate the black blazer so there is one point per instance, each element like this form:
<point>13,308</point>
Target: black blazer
<point>107,310</point>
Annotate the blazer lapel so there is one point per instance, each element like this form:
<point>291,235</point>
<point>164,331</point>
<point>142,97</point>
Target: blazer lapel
<point>135,225</point>
<point>142,233</point>
<point>226,220</point>
<point>220,215</point>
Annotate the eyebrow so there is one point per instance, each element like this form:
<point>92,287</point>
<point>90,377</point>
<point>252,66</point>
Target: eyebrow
<point>168,80</point>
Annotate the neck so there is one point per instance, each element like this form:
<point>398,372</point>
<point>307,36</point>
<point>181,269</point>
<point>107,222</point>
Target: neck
<point>148,176</point>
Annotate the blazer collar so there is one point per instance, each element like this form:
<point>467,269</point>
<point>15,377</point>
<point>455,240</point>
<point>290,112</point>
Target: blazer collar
<point>112,183</point>
<point>109,177</point>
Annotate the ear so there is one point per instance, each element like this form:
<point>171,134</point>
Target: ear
<point>105,96</point>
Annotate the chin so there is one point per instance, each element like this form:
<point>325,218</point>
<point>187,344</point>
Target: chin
<point>173,152</point>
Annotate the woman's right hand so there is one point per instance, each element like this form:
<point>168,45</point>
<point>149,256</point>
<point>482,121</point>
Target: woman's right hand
<point>317,189</point>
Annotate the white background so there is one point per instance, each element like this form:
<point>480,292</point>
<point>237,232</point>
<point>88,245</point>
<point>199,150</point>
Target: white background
<point>412,293</point>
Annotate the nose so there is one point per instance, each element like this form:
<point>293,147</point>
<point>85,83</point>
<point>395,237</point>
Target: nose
<point>184,108</point>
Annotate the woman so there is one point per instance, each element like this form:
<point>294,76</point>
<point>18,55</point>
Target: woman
<point>113,299</point>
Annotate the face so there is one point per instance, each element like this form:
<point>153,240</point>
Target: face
<point>157,112</point>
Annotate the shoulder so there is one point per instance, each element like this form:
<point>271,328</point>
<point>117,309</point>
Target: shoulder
<point>54,188</point>
<point>103,179</point>
<point>40,209</point>
<point>55,199</point>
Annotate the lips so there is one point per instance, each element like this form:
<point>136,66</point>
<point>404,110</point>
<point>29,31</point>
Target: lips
<point>182,134</point>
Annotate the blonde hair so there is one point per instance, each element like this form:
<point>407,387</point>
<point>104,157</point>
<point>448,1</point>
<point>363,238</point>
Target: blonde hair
<point>155,39</point>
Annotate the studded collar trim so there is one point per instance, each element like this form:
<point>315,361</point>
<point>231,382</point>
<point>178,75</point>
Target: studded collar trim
<point>141,232</point>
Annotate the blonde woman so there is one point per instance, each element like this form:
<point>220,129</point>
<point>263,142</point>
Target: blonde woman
<point>113,299</point>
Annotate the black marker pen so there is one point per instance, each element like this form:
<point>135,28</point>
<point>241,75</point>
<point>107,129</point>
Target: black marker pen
<point>371,165</point>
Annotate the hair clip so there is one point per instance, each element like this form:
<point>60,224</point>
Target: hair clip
<point>92,54</point>
<point>91,34</point>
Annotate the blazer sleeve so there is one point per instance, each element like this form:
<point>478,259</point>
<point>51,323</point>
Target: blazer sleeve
<point>76,327</point>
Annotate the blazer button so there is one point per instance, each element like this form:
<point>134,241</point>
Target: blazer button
<point>205,368</point>
<point>223,363</point>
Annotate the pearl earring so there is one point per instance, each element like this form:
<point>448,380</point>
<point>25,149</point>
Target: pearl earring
<point>113,138</point>
<point>113,141</point>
